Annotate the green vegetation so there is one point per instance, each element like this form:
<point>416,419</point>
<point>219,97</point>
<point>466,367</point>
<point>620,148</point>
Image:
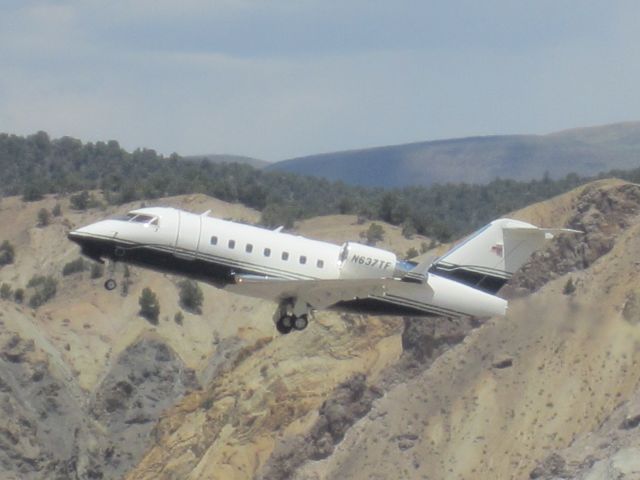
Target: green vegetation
<point>97,270</point>
<point>5,291</point>
<point>83,200</point>
<point>149,305</point>
<point>18,295</point>
<point>74,266</point>
<point>45,288</point>
<point>569,287</point>
<point>374,234</point>
<point>57,210</point>
<point>411,253</point>
<point>7,253</point>
<point>43,217</point>
<point>178,318</point>
<point>35,165</point>
<point>191,296</point>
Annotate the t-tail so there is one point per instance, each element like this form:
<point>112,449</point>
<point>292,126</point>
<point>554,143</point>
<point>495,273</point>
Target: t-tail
<point>489,257</point>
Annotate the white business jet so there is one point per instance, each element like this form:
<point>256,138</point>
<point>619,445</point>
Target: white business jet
<point>303,275</point>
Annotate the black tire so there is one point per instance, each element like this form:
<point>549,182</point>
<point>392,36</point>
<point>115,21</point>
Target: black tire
<point>301,322</point>
<point>283,325</point>
<point>110,284</point>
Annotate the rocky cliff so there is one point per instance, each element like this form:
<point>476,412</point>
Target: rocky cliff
<point>84,379</point>
<point>91,390</point>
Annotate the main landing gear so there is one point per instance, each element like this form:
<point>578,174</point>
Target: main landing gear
<point>292,315</point>
<point>289,322</point>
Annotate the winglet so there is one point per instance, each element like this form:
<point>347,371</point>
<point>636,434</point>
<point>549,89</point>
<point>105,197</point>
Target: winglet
<point>419,273</point>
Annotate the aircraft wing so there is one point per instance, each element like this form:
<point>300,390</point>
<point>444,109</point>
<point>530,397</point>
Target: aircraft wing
<point>319,294</point>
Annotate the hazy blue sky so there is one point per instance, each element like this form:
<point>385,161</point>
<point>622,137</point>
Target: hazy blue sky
<point>276,79</point>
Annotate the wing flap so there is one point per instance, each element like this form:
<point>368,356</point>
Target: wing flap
<point>317,293</point>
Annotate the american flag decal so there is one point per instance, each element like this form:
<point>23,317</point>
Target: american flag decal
<point>497,249</point>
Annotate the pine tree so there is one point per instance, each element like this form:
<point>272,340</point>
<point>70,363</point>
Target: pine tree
<point>149,305</point>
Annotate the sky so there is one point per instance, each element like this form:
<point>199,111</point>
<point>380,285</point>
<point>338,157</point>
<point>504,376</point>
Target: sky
<point>279,79</point>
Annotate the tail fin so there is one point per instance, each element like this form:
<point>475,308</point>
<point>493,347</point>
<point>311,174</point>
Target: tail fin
<point>489,257</point>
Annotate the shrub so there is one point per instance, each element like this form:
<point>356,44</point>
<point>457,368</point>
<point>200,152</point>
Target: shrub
<point>408,229</point>
<point>97,270</point>
<point>374,234</point>
<point>191,296</point>
<point>18,295</point>
<point>75,266</point>
<point>82,201</point>
<point>569,287</point>
<point>412,252</point>
<point>32,192</point>
<point>178,318</point>
<point>57,210</point>
<point>43,217</point>
<point>45,290</point>
<point>5,291</point>
<point>7,253</point>
<point>149,305</point>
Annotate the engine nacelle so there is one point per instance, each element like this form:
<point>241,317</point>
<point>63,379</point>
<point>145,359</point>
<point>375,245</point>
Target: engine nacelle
<point>362,261</point>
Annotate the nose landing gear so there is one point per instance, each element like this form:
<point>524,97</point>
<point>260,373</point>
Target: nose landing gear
<point>110,283</point>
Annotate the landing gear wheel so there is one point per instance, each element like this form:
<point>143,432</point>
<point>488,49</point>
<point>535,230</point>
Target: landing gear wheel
<point>301,322</point>
<point>284,324</point>
<point>110,284</point>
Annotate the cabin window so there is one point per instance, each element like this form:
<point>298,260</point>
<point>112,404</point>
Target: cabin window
<point>248,248</point>
<point>285,255</point>
<point>320,264</point>
<point>303,259</point>
<point>214,240</point>
<point>232,244</point>
<point>267,252</point>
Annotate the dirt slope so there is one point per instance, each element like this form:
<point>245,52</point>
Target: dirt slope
<point>90,389</point>
<point>526,385</point>
<point>84,378</point>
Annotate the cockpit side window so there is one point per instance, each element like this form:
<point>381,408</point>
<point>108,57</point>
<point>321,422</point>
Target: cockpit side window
<point>142,218</point>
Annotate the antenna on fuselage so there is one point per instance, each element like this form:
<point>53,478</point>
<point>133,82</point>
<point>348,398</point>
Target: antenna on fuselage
<point>278,229</point>
<point>204,214</point>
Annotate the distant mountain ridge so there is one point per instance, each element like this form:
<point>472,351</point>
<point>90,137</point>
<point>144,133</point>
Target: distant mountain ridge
<point>479,160</point>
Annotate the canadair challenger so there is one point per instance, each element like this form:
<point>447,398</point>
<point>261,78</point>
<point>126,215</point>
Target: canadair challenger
<point>303,275</point>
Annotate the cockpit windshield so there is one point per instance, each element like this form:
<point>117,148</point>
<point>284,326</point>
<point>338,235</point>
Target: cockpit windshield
<point>138,218</point>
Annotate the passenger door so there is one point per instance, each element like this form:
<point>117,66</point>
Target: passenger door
<point>188,238</point>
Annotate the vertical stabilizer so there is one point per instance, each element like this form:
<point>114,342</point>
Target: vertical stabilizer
<point>489,257</point>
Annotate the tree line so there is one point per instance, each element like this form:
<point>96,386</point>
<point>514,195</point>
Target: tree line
<point>35,165</point>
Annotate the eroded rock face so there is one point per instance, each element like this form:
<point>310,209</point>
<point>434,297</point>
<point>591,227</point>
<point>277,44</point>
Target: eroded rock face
<point>611,452</point>
<point>602,214</point>
<point>49,430</point>
<point>147,378</point>
<point>350,402</point>
<point>39,414</point>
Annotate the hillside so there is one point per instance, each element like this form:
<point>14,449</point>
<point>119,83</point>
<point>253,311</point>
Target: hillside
<point>404,398</point>
<point>548,391</point>
<point>585,151</point>
<point>84,378</point>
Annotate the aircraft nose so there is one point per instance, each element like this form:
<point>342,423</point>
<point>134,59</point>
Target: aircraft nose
<point>79,234</point>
